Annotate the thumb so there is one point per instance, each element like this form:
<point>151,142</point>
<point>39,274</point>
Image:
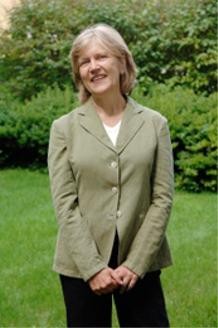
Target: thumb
<point>117,277</point>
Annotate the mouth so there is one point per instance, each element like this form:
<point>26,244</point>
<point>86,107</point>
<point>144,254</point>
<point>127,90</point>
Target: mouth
<point>98,77</point>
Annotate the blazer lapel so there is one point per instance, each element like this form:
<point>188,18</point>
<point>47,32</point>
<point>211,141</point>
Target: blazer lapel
<point>131,123</point>
<point>91,122</point>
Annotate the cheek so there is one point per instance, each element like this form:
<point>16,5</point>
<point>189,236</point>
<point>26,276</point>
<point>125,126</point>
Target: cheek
<point>116,74</point>
<point>82,74</point>
<point>116,71</point>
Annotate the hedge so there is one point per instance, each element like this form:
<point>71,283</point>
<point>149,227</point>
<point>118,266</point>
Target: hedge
<point>193,125</point>
<point>24,130</point>
<point>170,40</point>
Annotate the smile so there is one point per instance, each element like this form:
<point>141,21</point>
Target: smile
<point>97,77</point>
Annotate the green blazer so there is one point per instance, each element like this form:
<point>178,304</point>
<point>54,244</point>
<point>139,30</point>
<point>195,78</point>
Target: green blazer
<point>98,188</point>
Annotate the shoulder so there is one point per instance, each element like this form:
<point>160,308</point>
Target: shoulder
<point>150,116</point>
<point>65,121</point>
<point>147,113</point>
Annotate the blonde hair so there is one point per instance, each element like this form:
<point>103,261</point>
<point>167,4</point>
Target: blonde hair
<point>114,43</point>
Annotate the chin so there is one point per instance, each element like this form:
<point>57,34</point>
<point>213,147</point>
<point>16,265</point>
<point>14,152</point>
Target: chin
<point>100,91</point>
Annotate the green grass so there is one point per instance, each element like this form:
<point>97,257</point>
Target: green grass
<point>30,294</point>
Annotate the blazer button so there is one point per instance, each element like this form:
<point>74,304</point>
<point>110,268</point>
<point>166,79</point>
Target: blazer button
<point>119,213</point>
<point>113,164</point>
<point>114,190</point>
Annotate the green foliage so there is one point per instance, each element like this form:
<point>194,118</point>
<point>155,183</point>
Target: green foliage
<point>170,45</point>
<point>173,42</point>
<point>24,128</point>
<point>164,36</point>
<point>193,125</point>
<point>35,50</point>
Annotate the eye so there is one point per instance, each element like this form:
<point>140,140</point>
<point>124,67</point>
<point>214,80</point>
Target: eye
<point>102,56</point>
<point>83,62</point>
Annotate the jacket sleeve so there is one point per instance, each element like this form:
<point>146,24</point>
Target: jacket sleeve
<point>73,226</point>
<point>150,235</point>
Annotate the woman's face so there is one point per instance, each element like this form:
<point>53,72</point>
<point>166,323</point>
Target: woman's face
<point>99,70</point>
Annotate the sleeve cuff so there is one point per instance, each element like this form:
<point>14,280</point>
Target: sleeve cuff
<point>90,273</point>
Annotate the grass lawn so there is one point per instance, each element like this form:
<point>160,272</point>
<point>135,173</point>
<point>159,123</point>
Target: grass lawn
<point>30,294</point>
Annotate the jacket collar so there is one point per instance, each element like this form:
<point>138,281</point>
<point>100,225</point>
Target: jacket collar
<point>130,125</point>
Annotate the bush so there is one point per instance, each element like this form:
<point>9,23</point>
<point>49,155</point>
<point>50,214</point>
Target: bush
<point>164,36</point>
<point>8,119</point>
<point>170,44</point>
<point>35,50</point>
<point>192,120</point>
<point>24,128</point>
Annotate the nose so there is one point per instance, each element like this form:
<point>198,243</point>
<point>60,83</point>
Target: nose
<point>94,65</point>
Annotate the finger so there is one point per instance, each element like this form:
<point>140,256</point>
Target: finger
<point>117,277</point>
<point>129,282</point>
<point>107,290</point>
<point>125,285</point>
<point>96,290</point>
<point>132,283</point>
<point>109,286</point>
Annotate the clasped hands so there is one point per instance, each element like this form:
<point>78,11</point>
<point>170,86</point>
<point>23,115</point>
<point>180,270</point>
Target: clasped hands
<point>108,280</point>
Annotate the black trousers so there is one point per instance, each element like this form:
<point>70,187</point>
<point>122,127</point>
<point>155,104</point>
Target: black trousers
<point>142,306</point>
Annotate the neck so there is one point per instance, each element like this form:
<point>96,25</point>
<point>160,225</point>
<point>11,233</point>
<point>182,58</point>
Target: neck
<point>109,105</point>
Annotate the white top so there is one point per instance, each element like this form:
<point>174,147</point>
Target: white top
<point>113,131</point>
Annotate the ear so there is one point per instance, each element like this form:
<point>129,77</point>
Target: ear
<point>122,66</point>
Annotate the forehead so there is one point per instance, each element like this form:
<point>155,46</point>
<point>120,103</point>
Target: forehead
<point>92,46</point>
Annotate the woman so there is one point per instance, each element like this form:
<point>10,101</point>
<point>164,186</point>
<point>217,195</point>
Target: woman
<point>111,172</point>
